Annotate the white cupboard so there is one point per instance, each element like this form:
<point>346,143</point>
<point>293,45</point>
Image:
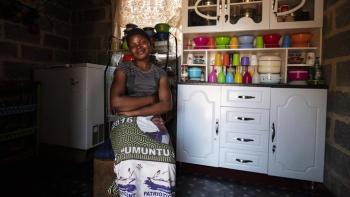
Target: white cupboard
<point>198,124</point>
<point>297,135</point>
<point>275,131</point>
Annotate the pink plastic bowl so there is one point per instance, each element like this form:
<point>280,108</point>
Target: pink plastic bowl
<point>201,41</point>
<point>298,75</point>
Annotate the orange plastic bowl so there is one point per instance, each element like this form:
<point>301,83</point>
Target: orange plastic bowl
<point>301,38</point>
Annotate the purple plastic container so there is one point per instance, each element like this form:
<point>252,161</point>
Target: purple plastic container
<point>245,61</point>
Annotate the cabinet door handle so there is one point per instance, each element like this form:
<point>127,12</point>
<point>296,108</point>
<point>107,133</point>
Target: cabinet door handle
<point>220,8</point>
<point>217,127</point>
<point>226,15</point>
<point>273,148</point>
<point>244,118</point>
<point>201,14</point>
<point>245,97</point>
<point>73,81</point>
<point>243,139</point>
<point>273,132</point>
<point>274,6</point>
<point>244,161</point>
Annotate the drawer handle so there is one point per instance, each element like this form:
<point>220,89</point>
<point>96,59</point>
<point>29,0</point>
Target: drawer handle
<point>244,161</point>
<point>243,139</point>
<point>246,97</point>
<point>244,118</point>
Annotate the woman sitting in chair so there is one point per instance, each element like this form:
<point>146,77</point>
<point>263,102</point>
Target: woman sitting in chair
<point>144,157</point>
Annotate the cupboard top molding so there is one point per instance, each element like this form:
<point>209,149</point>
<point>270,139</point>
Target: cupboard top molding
<point>256,85</point>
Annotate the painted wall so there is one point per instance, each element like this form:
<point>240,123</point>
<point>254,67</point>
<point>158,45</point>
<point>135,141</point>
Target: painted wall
<point>336,58</point>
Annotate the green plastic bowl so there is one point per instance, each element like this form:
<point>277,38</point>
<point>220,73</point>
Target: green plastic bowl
<point>222,41</point>
<point>162,27</point>
<point>125,45</point>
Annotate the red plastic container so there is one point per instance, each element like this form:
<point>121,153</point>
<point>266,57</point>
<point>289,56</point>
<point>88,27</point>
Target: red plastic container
<point>271,40</point>
<point>298,75</point>
<point>128,57</point>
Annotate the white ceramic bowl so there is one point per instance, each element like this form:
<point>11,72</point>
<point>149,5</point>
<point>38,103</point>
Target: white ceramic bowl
<point>270,78</point>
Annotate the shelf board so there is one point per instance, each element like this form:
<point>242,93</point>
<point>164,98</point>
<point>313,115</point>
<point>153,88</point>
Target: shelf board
<point>246,3</point>
<point>201,65</point>
<point>302,48</point>
<point>17,134</point>
<point>246,49</point>
<point>252,49</point>
<point>298,65</point>
<point>204,6</point>
<point>5,111</point>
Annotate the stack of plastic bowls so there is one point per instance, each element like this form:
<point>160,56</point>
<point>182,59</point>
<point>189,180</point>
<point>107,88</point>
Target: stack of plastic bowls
<point>201,42</point>
<point>222,42</point>
<point>245,41</point>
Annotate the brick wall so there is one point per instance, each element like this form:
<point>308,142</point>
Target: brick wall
<point>336,56</point>
<point>21,51</point>
<point>74,31</point>
<point>92,26</point>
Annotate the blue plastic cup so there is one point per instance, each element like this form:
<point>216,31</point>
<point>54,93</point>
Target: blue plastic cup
<point>286,42</point>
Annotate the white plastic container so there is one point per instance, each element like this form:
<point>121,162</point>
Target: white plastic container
<point>270,64</point>
<point>270,78</point>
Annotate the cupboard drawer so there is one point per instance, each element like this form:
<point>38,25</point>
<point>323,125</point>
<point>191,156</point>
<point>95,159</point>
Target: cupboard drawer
<point>241,118</point>
<point>243,160</point>
<point>251,140</point>
<point>253,97</point>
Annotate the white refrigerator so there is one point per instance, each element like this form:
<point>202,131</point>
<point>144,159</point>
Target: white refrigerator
<point>72,105</point>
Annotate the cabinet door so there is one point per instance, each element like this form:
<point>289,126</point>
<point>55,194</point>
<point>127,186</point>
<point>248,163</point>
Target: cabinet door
<point>297,135</point>
<point>245,15</point>
<point>291,14</point>
<point>197,124</point>
<point>201,15</point>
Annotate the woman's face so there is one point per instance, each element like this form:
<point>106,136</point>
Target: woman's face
<point>139,47</point>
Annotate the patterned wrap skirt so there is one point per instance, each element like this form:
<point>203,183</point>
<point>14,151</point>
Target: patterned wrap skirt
<point>144,158</point>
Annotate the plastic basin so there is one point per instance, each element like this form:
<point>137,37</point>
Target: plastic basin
<point>246,39</point>
<point>301,38</point>
<point>201,41</point>
<point>222,41</point>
